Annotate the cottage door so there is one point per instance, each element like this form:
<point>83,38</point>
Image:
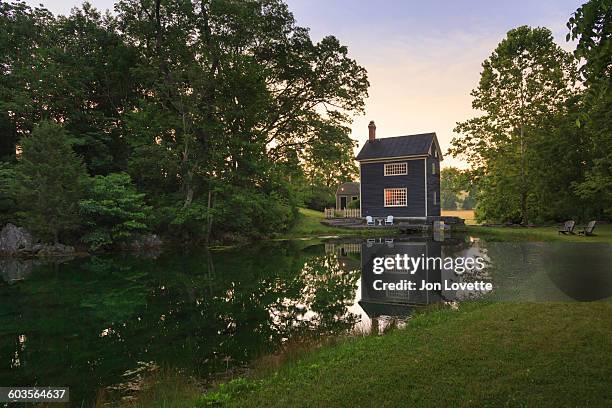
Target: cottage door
<point>342,203</point>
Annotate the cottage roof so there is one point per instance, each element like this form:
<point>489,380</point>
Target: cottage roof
<point>349,188</point>
<point>399,146</point>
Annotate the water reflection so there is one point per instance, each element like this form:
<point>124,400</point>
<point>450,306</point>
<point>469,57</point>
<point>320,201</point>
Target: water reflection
<point>96,322</point>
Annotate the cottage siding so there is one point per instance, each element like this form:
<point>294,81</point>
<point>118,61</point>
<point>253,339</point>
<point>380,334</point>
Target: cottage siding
<point>374,182</point>
<point>433,184</point>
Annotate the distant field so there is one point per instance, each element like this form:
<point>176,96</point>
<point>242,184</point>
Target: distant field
<point>467,215</point>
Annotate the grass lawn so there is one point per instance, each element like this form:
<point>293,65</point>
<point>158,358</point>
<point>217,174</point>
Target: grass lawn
<point>309,225</point>
<point>603,234</point>
<point>502,354</point>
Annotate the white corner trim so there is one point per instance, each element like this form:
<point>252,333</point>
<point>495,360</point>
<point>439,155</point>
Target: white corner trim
<point>360,183</point>
<point>425,167</point>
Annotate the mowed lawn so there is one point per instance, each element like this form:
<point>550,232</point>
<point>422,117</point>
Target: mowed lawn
<point>504,354</point>
<point>309,225</point>
<point>603,233</point>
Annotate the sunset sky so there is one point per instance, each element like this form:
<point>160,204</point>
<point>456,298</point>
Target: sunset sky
<point>422,57</point>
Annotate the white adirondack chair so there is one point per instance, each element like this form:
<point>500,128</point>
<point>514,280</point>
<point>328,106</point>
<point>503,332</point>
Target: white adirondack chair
<point>369,221</point>
<point>389,220</point>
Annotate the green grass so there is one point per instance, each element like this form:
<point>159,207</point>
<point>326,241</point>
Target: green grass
<point>309,225</point>
<point>603,234</point>
<point>503,354</point>
<point>496,355</point>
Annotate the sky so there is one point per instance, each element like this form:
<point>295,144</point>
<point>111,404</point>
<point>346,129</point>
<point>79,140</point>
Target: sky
<point>423,57</point>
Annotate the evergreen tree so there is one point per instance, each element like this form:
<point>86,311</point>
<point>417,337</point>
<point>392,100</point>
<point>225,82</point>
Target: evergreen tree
<point>50,182</point>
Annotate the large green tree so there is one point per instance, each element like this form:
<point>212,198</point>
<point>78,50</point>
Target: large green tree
<point>23,31</point>
<point>591,26</point>
<point>50,182</point>
<point>231,89</point>
<point>525,82</point>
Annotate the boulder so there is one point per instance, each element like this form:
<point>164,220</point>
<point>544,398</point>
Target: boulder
<point>145,241</point>
<point>14,239</point>
<point>13,270</point>
<point>55,250</point>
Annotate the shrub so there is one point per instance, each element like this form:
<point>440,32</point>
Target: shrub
<point>114,211</point>
<point>252,213</point>
<point>320,198</point>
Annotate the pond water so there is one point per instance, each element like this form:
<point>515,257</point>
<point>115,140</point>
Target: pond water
<point>97,322</point>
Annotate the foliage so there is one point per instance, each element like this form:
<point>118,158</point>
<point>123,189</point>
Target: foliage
<point>243,89</point>
<point>252,213</point>
<point>591,25</point>
<point>524,91</point>
<point>50,182</point>
<point>188,98</point>
<point>8,197</point>
<point>456,189</point>
<point>114,211</point>
<point>353,204</point>
<point>320,197</point>
<point>449,188</point>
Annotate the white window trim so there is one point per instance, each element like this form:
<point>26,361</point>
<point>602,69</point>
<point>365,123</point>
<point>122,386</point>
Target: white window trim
<point>395,205</point>
<point>388,165</point>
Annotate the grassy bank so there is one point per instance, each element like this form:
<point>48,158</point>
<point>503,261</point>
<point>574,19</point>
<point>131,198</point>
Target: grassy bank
<point>549,354</point>
<point>309,225</point>
<point>603,234</point>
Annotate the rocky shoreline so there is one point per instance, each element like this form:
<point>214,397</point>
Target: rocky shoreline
<point>17,242</point>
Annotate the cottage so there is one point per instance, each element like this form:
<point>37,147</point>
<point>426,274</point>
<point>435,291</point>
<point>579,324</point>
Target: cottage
<point>400,176</point>
<point>346,193</point>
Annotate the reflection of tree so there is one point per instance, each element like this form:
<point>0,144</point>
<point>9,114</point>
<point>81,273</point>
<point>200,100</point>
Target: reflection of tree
<point>87,322</point>
<point>328,290</point>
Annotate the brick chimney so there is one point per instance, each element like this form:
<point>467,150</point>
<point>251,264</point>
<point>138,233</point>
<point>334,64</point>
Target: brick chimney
<point>372,131</point>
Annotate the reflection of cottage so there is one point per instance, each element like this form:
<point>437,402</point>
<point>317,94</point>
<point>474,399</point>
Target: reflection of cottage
<point>397,302</point>
<point>400,176</point>
<point>346,193</point>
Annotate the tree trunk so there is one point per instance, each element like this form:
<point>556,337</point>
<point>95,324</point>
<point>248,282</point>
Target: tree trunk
<point>524,218</point>
<point>209,216</point>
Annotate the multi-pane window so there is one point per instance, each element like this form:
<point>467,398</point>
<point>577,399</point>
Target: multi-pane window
<point>435,198</point>
<point>396,197</point>
<point>396,169</point>
<point>433,168</point>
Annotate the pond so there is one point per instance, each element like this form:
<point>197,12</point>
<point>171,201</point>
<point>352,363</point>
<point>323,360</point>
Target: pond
<point>98,322</point>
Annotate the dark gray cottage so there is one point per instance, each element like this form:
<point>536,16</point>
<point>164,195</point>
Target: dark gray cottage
<point>400,176</point>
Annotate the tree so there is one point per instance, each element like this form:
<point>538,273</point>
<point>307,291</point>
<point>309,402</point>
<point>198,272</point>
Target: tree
<point>50,182</point>
<point>526,80</point>
<point>449,188</point>
<point>232,88</point>
<point>8,199</point>
<point>591,25</point>
<point>114,211</point>
<point>23,31</point>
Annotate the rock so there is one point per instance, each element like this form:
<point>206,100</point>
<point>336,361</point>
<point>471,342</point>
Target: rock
<point>145,241</point>
<point>55,250</point>
<point>13,270</point>
<point>14,239</point>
